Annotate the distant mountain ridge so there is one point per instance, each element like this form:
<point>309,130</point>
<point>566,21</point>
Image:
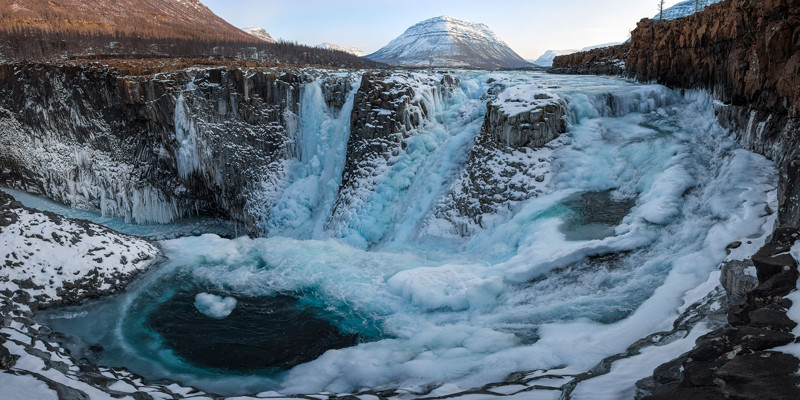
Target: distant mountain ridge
<point>449,42</point>
<point>685,9</point>
<point>260,33</point>
<point>352,50</point>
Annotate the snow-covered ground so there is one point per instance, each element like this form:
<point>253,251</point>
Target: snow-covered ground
<point>54,260</point>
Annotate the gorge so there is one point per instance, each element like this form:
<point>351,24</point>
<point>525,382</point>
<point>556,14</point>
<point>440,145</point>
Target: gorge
<point>414,215</point>
<point>458,234</point>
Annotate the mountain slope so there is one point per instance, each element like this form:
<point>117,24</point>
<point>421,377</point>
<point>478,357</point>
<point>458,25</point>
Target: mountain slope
<point>449,42</point>
<point>47,30</point>
<point>352,50</point>
<point>175,19</point>
<point>260,33</point>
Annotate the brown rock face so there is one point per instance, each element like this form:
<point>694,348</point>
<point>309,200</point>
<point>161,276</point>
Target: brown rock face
<point>746,51</point>
<point>602,61</point>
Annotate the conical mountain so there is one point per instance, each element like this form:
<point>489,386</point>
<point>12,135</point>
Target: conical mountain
<point>449,42</point>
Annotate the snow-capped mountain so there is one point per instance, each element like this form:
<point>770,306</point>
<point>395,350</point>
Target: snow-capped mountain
<point>260,33</point>
<point>685,8</point>
<point>449,42</point>
<point>352,50</point>
<point>546,59</point>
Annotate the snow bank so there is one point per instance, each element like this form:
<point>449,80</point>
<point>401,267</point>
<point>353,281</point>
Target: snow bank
<point>55,260</point>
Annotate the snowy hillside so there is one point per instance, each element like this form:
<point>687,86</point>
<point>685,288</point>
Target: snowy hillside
<point>260,33</point>
<point>446,41</point>
<point>352,50</point>
<point>685,8</point>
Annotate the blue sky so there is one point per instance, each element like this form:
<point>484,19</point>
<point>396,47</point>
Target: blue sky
<point>529,26</point>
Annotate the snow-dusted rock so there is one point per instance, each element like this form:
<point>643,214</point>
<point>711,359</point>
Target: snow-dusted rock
<point>509,163</point>
<point>525,115</point>
<point>449,42</point>
<point>49,260</point>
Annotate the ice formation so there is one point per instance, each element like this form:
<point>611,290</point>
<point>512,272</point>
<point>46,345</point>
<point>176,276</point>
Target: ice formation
<point>214,306</point>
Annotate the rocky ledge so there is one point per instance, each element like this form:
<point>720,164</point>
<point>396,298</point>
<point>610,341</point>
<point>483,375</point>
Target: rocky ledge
<point>509,163</point>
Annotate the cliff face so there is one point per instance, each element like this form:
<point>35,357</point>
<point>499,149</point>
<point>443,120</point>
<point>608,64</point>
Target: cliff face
<point>747,52</point>
<point>147,148</point>
<point>602,61</point>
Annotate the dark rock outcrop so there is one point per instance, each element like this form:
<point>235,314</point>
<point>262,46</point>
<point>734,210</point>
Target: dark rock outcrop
<point>735,362</point>
<point>386,111</point>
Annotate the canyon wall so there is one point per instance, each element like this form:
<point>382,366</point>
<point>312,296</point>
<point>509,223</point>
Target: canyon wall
<point>151,148</point>
<point>230,141</point>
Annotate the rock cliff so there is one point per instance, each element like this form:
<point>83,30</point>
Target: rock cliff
<point>152,148</point>
<point>508,163</point>
<point>602,61</point>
